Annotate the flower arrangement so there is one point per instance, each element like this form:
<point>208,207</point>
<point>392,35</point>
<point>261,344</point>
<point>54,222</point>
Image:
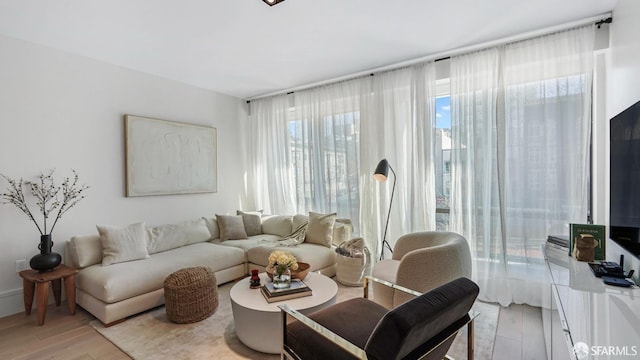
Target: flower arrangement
<point>282,260</point>
<point>50,198</point>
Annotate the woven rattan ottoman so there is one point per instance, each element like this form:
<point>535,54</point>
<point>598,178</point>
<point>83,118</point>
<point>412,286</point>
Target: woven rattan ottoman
<point>190,295</point>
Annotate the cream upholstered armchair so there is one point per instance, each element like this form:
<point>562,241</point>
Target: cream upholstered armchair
<point>422,261</point>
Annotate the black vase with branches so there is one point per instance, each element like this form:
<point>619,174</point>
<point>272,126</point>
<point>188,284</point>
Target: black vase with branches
<point>50,199</point>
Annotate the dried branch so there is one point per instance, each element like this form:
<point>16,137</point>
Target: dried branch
<point>47,197</point>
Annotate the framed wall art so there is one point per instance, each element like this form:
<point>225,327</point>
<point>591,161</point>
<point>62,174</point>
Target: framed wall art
<point>166,157</point>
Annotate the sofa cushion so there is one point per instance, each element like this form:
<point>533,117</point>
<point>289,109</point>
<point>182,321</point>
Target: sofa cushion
<point>320,229</point>
<point>120,244</point>
<point>116,282</point>
<point>167,237</point>
<point>252,221</point>
<point>299,220</point>
<point>212,225</point>
<point>280,225</point>
<point>251,242</point>
<point>319,257</point>
<point>231,227</point>
<point>85,250</point>
<point>197,231</point>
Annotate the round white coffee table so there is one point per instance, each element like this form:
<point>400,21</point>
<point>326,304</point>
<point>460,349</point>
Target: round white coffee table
<point>258,323</point>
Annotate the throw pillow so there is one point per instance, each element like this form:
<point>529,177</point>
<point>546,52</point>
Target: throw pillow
<point>212,225</point>
<point>120,244</point>
<point>320,228</point>
<point>231,227</point>
<point>167,237</point>
<point>85,250</point>
<point>299,220</point>
<point>197,231</point>
<point>252,221</point>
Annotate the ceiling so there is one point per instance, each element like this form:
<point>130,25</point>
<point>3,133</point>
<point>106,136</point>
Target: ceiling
<point>245,48</point>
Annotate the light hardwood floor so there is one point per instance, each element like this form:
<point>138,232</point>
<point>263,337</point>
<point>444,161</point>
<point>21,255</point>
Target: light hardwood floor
<point>61,337</point>
<point>519,336</point>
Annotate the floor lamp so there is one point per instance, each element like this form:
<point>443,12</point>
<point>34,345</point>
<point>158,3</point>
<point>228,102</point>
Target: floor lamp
<point>382,170</point>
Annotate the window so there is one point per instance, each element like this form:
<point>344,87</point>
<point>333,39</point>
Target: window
<point>443,155</point>
<point>535,113</point>
<point>325,155</point>
<point>542,136</point>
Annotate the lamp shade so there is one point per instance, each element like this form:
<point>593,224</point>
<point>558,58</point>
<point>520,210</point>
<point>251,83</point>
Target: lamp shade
<point>382,170</point>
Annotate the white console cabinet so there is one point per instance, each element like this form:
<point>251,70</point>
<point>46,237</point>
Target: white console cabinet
<point>604,319</point>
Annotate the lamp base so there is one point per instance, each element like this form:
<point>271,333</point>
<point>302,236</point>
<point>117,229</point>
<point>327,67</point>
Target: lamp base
<point>385,243</point>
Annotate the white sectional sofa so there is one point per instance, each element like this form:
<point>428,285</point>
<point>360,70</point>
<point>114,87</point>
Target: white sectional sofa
<point>113,284</point>
<point>316,250</point>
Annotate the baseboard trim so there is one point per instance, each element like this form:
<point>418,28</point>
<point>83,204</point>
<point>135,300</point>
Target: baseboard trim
<point>11,302</point>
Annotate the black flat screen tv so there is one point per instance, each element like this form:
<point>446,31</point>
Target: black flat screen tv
<point>624,208</point>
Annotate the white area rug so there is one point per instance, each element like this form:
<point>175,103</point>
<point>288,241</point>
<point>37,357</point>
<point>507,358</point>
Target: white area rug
<point>151,336</point>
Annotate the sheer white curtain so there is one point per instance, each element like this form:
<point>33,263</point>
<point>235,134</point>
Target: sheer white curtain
<point>325,149</point>
<point>317,149</point>
<point>397,123</point>
<point>269,184</point>
<point>521,117</point>
<point>303,152</point>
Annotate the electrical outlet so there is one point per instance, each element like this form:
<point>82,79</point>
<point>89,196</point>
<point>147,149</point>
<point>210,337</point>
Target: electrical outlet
<point>21,265</point>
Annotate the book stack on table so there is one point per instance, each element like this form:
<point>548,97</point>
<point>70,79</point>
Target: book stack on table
<point>297,289</point>
<point>558,242</point>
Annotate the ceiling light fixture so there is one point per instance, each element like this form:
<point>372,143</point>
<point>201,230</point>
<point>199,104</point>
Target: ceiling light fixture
<point>272,2</point>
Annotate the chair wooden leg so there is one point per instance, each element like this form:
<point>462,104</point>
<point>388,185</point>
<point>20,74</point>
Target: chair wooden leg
<point>366,288</point>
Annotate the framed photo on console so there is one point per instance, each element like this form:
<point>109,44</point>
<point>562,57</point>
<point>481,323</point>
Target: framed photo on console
<point>587,242</point>
<point>166,157</point>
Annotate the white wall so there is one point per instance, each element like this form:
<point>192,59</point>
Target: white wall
<point>64,111</point>
<point>623,88</point>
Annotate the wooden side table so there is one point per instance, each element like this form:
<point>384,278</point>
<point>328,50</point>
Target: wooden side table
<point>39,281</point>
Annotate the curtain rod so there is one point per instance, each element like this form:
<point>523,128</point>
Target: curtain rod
<point>599,20</point>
